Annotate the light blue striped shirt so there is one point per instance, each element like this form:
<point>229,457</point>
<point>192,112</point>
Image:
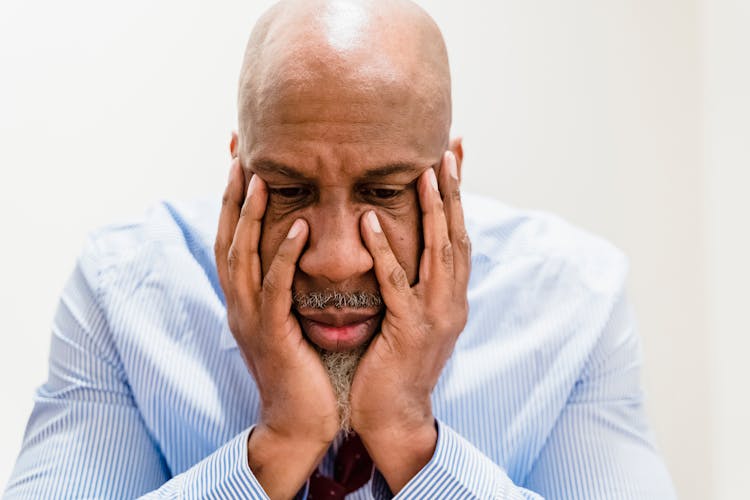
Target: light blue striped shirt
<point>148,395</point>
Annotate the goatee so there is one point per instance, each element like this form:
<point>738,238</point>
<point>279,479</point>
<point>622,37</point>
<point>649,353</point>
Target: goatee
<point>341,367</point>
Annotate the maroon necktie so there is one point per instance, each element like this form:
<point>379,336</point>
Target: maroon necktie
<point>351,470</point>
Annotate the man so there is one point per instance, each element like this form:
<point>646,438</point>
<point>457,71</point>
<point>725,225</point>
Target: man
<point>381,348</point>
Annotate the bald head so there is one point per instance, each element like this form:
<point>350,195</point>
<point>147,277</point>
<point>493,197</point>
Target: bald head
<point>329,53</point>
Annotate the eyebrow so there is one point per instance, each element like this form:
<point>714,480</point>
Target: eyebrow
<point>392,169</point>
<point>273,167</point>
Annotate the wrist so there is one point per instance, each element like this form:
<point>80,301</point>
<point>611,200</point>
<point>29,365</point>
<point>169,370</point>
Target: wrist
<point>282,464</point>
<point>400,453</point>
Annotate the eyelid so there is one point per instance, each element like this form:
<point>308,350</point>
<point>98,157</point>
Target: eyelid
<point>390,187</point>
<point>287,186</point>
<point>397,186</point>
<point>303,191</point>
<point>383,194</point>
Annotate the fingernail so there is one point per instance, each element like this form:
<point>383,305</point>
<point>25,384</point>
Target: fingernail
<point>451,164</point>
<point>433,179</point>
<point>295,229</point>
<point>253,185</point>
<point>373,221</point>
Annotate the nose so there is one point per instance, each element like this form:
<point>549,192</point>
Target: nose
<point>335,252</point>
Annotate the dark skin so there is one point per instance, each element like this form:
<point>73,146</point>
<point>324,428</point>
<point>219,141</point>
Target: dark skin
<point>336,185</point>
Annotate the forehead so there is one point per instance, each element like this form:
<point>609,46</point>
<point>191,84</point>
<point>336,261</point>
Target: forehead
<point>375,94</point>
<point>351,122</point>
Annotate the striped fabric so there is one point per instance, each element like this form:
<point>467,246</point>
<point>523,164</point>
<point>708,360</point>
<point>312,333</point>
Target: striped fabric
<point>148,395</point>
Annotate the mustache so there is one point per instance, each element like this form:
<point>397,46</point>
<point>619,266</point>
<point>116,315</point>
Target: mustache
<point>337,299</point>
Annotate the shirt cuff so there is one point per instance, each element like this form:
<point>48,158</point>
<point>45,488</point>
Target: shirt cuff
<point>225,472</point>
<point>456,469</point>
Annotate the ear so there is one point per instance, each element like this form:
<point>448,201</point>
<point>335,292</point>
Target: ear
<point>233,144</point>
<point>456,147</point>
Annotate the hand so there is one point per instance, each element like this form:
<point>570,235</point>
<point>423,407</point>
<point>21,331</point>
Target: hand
<point>299,417</point>
<point>390,395</point>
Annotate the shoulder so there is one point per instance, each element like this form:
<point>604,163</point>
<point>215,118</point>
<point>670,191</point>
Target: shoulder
<point>539,281</point>
<point>542,246</point>
<point>543,293</point>
<point>160,237</point>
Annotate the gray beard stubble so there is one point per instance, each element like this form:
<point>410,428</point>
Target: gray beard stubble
<point>339,300</point>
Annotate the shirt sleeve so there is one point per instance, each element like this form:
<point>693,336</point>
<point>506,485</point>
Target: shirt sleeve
<point>457,470</point>
<point>86,438</point>
<point>600,446</point>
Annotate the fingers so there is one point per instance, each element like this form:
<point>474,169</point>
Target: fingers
<point>277,284</point>
<point>454,213</point>
<point>231,203</point>
<point>243,260</point>
<point>437,258</point>
<point>394,283</point>
<point>237,247</point>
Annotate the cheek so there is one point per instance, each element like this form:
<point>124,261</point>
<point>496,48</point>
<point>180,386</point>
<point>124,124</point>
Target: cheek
<point>273,233</point>
<point>405,235</point>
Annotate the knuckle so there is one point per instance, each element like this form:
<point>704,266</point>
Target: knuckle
<point>245,211</point>
<point>383,247</point>
<point>219,248</point>
<point>455,194</point>
<point>446,254</point>
<point>226,199</point>
<point>463,242</point>
<point>233,258</point>
<point>282,259</point>
<point>438,203</point>
<point>270,285</point>
<point>450,327</point>
<point>398,279</point>
<point>443,326</point>
<point>436,324</point>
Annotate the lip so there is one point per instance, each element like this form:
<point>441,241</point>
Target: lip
<point>339,330</point>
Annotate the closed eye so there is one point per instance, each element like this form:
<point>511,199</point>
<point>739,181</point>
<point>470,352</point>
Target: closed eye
<point>290,193</point>
<point>381,193</point>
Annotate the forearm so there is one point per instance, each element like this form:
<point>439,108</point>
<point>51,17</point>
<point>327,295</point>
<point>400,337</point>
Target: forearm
<point>223,473</point>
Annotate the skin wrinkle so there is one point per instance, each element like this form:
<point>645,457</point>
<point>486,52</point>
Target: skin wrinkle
<point>332,89</point>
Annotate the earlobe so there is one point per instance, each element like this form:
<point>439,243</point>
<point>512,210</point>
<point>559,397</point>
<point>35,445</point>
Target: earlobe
<point>233,144</point>
<point>456,146</point>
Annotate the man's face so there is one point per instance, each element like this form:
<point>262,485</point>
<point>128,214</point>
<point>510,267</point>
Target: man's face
<point>329,152</point>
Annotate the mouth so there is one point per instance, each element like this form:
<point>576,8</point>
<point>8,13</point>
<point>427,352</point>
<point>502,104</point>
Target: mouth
<point>339,330</point>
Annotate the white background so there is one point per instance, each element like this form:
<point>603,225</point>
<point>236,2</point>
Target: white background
<point>628,117</point>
